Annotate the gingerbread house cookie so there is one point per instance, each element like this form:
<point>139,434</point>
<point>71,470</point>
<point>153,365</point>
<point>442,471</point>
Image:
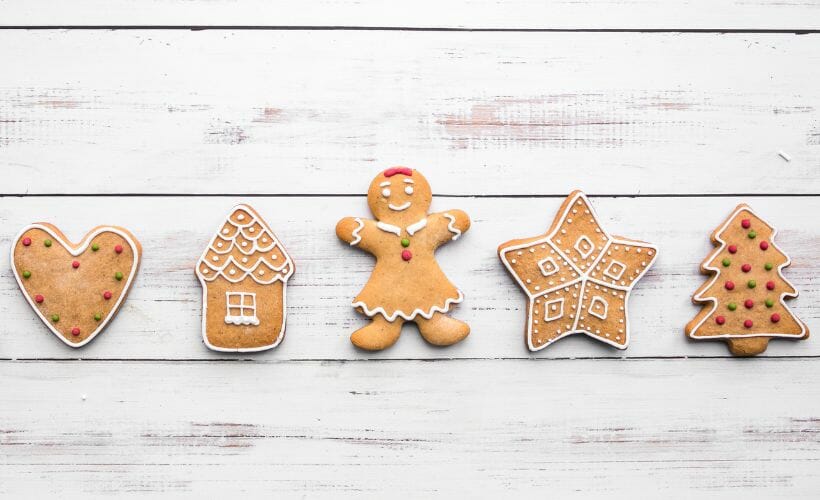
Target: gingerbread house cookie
<point>244,273</point>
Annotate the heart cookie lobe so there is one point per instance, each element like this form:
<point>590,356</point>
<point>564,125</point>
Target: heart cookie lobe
<point>75,288</point>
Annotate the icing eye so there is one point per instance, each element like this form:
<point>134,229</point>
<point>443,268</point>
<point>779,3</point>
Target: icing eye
<point>408,190</point>
<point>386,192</point>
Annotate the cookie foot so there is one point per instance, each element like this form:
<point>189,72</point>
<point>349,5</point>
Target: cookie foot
<point>442,330</point>
<point>379,334</point>
<point>748,347</point>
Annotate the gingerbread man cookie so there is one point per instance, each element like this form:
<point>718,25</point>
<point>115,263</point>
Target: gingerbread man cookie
<point>577,277</point>
<point>75,288</point>
<point>407,283</point>
<point>244,272</point>
<point>744,301</point>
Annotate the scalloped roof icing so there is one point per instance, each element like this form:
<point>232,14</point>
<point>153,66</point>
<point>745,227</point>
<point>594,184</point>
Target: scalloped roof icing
<point>243,246</point>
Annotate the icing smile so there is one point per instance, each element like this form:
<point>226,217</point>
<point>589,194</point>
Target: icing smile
<point>400,207</point>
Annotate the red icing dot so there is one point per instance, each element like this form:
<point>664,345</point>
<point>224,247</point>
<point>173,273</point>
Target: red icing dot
<point>107,295</point>
<point>75,264</point>
<point>775,318</point>
<point>720,320</point>
<point>749,303</point>
<point>748,323</point>
<point>770,285</point>
<point>729,285</point>
<point>406,255</point>
<point>732,248</point>
<point>746,268</point>
<point>764,245</point>
<point>39,298</point>
<point>75,331</point>
<point>746,223</point>
<point>118,248</point>
<point>26,241</point>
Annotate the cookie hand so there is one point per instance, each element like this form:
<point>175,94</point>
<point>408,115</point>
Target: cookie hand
<point>346,229</point>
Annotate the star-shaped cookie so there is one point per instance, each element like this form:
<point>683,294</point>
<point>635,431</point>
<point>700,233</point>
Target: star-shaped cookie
<point>577,277</point>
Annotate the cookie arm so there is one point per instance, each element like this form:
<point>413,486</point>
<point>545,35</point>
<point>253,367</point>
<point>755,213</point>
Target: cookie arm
<point>355,231</point>
<point>451,224</point>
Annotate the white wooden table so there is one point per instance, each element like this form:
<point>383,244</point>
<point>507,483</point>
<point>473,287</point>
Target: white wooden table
<point>667,112</point>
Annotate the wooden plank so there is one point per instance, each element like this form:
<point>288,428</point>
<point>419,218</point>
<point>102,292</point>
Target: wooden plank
<point>486,429</point>
<point>518,14</point>
<point>482,113</point>
<point>161,319</point>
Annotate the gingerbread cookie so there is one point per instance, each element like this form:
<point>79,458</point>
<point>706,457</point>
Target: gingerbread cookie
<point>244,273</point>
<point>577,277</point>
<point>744,301</point>
<point>407,283</point>
<point>75,288</point>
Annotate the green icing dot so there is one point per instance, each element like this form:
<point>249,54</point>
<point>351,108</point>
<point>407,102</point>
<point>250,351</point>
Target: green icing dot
<point>768,266</point>
<point>751,283</point>
<point>47,243</point>
<point>726,262</point>
<point>769,303</point>
<point>97,317</point>
<point>118,276</point>
<point>405,242</point>
<point>95,247</point>
<point>752,235</point>
<point>55,318</point>
<point>732,306</point>
<point>27,274</point>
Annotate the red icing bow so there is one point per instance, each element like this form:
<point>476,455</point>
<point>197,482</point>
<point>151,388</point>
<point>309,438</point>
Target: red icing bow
<point>390,172</point>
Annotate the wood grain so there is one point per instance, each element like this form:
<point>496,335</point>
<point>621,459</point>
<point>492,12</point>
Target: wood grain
<point>725,428</point>
<point>307,112</point>
<point>517,14</point>
<point>161,318</point>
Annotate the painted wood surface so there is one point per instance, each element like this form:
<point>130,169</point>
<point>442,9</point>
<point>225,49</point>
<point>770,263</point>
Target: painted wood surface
<point>681,126</point>
<point>161,318</point>
<point>307,112</point>
<point>517,14</point>
<point>727,429</point>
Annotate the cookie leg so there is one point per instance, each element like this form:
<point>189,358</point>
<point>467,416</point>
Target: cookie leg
<point>751,346</point>
<point>441,329</point>
<point>379,334</point>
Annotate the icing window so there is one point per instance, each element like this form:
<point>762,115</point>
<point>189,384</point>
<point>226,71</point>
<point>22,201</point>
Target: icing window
<point>241,308</point>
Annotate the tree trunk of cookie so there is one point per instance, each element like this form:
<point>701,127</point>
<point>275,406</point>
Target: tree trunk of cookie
<point>749,346</point>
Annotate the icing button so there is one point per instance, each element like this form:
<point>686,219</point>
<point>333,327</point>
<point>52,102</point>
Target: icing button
<point>26,241</point>
<point>118,248</point>
<point>406,255</point>
<point>75,264</point>
<point>107,295</point>
<point>75,331</point>
<point>720,320</point>
<point>775,318</point>
<point>39,298</point>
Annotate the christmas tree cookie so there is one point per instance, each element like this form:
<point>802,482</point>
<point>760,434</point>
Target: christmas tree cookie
<point>744,301</point>
<point>244,272</point>
<point>75,288</point>
<point>577,277</point>
<point>407,283</point>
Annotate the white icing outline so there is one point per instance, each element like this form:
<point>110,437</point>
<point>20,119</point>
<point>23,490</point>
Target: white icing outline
<point>583,275</point>
<point>592,303</point>
<point>356,236</point>
<point>399,208</point>
<point>613,262</point>
<point>705,299</point>
<point>74,253</point>
<point>284,279</point>
<point>547,304</point>
<point>451,226</point>
<point>551,261</point>
<point>388,228</point>
<point>577,247</point>
<point>409,317</point>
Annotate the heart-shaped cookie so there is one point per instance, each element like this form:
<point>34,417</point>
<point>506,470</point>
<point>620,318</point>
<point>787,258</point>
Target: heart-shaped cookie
<point>75,288</point>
